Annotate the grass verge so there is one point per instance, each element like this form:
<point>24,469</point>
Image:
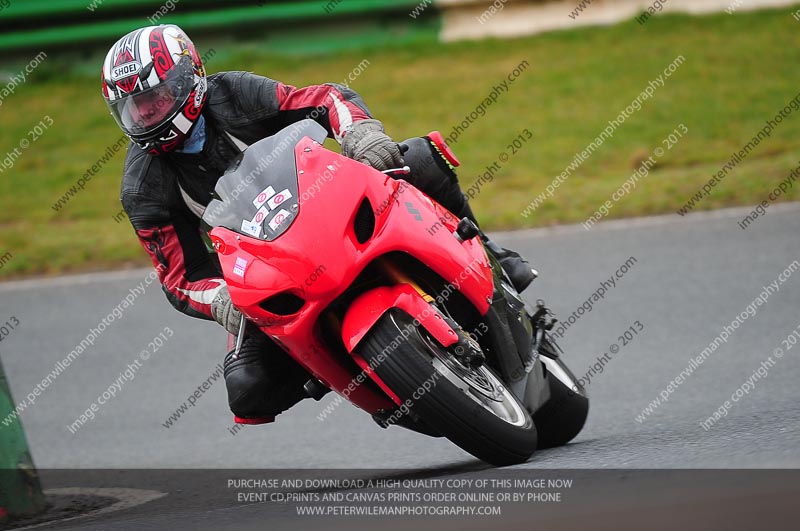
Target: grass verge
<point>738,72</point>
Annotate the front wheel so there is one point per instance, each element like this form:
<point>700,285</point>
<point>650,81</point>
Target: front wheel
<point>471,407</point>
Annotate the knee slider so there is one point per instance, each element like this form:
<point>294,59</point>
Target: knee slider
<point>245,377</point>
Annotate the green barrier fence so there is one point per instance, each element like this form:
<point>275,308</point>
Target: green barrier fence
<point>40,24</point>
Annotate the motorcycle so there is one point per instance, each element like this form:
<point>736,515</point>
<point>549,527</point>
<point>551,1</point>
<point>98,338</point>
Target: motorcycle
<point>389,300</point>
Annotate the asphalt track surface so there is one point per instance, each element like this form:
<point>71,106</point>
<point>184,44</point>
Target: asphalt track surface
<point>692,276</point>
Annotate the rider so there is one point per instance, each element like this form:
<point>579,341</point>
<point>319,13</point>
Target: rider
<point>185,129</point>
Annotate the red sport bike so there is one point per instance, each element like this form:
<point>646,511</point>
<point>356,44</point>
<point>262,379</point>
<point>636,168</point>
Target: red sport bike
<point>341,266</point>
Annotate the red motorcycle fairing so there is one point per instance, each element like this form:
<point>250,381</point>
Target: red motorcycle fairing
<point>368,307</point>
<point>365,311</point>
<point>319,256</point>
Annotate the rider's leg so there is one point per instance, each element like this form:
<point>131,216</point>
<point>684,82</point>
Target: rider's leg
<point>433,173</point>
<point>263,380</point>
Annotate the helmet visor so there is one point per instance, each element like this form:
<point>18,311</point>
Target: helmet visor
<point>142,114</point>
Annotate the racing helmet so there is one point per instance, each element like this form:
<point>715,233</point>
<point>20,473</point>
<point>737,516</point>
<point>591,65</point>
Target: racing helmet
<point>154,84</point>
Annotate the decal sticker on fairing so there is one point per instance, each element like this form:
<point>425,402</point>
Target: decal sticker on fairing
<point>279,218</point>
<point>251,228</point>
<point>279,198</point>
<point>261,198</point>
<point>240,266</point>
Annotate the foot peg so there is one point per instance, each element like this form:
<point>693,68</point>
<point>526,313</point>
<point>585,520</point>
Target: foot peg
<point>543,317</point>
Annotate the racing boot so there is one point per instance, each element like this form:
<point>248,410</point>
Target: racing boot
<point>518,269</point>
<point>433,167</point>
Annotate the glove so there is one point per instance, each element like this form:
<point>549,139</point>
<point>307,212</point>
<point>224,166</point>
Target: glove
<point>366,142</point>
<point>225,313</point>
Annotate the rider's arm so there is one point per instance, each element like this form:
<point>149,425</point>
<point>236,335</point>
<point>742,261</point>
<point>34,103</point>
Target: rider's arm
<point>171,237</point>
<point>333,106</point>
<point>337,108</point>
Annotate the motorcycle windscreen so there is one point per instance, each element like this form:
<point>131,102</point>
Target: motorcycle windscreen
<point>258,195</point>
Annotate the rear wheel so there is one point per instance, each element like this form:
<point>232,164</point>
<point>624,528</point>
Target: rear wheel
<point>562,417</point>
<point>469,406</point>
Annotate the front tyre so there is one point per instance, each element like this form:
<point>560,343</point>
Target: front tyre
<point>471,407</point>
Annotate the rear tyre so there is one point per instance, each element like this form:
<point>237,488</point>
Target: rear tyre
<point>563,416</point>
<point>471,407</point>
